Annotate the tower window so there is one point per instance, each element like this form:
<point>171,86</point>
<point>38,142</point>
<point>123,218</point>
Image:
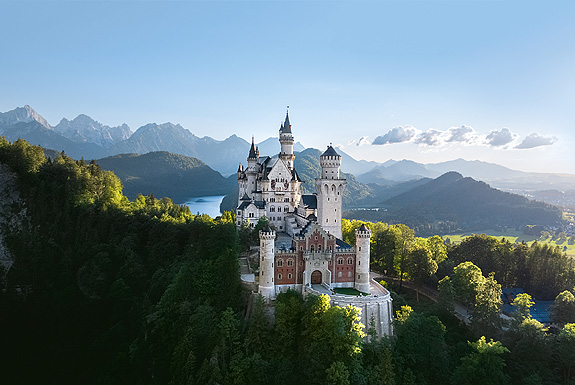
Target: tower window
<point>289,275</point>
<point>350,261</point>
<point>279,275</point>
<point>340,261</point>
<point>280,262</point>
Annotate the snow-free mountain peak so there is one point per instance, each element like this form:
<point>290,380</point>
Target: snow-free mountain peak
<point>24,114</point>
<point>85,129</point>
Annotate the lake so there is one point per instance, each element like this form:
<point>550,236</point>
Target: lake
<point>205,205</point>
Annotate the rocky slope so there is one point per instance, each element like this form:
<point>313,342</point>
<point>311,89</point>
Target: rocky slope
<point>12,212</point>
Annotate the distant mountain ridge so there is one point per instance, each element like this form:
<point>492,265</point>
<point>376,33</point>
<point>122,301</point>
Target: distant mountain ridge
<point>85,129</point>
<point>164,174</point>
<point>87,138</point>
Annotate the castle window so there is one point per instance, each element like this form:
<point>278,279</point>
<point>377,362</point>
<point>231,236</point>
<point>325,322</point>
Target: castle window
<point>340,261</point>
<point>358,276</point>
<point>339,274</point>
<point>350,261</point>
<point>349,274</point>
<point>290,262</point>
<point>301,263</point>
<point>286,209</point>
<point>289,276</point>
<point>272,209</point>
<point>279,275</point>
<point>311,248</point>
<point>326,220</point>
<point>359,248</point>
<point>280,262</point>
<point>359,262</point>
<point>318,247</point>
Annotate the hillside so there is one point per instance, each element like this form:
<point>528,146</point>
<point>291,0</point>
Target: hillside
<point>166,175</point>
<point>308,168</point>
<point>464,203</point>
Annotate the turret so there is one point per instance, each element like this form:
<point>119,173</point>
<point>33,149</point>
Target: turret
<point>362,258</point>
<point>267,252</point>
<point>329,189</point>
<point>286,142</point>
<point>251,170</point>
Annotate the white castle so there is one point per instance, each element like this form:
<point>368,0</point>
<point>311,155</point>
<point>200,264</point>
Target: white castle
<point>307,252</point>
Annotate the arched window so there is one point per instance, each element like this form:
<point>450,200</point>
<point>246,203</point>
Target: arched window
<point>290,262</point>
<point>340,261</point>
<point>339,274</point>
<point>349,274</point>
<point>312,249</point>
<point>289,275</point>
<point>350,261</point>
<point>280,262</point>
<point>279,275</point>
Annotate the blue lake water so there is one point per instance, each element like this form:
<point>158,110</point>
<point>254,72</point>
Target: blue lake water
<point>205,205</point>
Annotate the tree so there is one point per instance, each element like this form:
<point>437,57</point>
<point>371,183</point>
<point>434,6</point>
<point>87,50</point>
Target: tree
<point>565,352</point>
<point>486,313</point>
<point>483,366</point>
<point>337,374</point>
<point>438,249</point>
<point>419,265</point>
<point>523,303</point>
<point>420,346</point>
<point>466,279</point>
<point>563,309</point>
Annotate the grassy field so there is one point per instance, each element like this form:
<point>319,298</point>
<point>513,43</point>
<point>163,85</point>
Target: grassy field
<point>513,236</point>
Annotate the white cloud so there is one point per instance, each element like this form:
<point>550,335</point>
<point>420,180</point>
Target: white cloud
<point>498,138</point>
<point>362,141</point>
<point>397,134</point>
<point>430,138</point>
<point>463,134</point>
<point>536,140</point>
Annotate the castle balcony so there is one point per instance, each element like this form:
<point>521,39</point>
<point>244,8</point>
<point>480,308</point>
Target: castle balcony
<point>317,255</point>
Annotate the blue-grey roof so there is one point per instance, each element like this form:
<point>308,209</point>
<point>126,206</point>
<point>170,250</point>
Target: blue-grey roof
<point>341,244</point>
<point>258,204</point>
<point>330,152</point>
<point>286,127</point>
<point>310,201</point>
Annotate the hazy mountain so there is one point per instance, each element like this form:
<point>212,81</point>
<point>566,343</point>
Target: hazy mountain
<point>397,171</point>
<point>24,114</point>
<point>166,175</point>
<point>453,197</point>
<point>271,147</point>
<point>36,133</point>
<point>85,129</point>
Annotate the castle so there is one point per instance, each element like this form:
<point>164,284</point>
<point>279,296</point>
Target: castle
<point>306,252</point>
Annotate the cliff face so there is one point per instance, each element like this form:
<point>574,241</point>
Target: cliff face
<point>12,211</point>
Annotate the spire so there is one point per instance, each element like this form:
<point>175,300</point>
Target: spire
<point>330,152</point>
<point>286,127</point>
<point>252,154</point>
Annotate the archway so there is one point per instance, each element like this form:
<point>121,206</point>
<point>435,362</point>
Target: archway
<point>316,277</point>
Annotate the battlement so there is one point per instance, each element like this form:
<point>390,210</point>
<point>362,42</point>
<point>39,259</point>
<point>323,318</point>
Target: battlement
<point>271,235</point>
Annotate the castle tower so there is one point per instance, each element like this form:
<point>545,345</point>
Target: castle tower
<point>251,171</point>
<point>329,189</point>
<point>286,142</point>
<point>267,240</point>
<point>362,258</point>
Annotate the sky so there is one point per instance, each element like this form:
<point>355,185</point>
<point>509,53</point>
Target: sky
<point>425,80</point>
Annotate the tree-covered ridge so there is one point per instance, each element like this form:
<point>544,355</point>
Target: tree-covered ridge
<point>166,174</point>
<point>104,290</point>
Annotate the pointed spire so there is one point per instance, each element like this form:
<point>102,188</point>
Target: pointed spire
<point>286,128</point>
<point>252,154</point>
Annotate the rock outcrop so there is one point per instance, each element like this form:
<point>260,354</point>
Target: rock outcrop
<point>12,212</point>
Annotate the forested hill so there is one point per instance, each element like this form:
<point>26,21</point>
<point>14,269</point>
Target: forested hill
<point>165,174</point>
<point>107,291</point>
<point>465,202</point>
<point>308,168</point>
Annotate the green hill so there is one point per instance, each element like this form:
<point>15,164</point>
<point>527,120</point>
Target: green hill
<point>165,174</point>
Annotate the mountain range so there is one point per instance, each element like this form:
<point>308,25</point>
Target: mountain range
<point>87,138</point>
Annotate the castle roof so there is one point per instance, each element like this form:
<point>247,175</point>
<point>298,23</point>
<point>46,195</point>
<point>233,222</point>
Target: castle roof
<point>330,152</point>
<point>252,154</point>
<point>286,126</point>
<point>246,197</point>
<point>295,176</point>
<point>310,201</point>
<point>246,204</point>
<point>363,227</point>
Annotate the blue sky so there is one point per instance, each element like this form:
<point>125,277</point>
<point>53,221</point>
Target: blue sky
<point>428,80</point>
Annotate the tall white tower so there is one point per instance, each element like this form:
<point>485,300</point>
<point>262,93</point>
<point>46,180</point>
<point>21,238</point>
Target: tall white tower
<point>267,240</point>
<point>286,142</point>
<point>252,170</point>
<point>362,258</point>
<point>329,189</point>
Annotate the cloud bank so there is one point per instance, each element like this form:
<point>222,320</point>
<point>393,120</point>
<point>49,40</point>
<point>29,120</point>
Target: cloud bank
<point>536,140</point>
<point>465,135</point>
<point>397,134</point>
